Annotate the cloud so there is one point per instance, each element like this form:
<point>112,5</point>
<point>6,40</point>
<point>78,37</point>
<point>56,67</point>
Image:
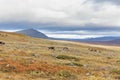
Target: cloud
<point>60,12</point>
<point>108,1</point>
<point>62,18</point>
<point>79,34</point>
<point>69,36</point>
<point>12,30</point>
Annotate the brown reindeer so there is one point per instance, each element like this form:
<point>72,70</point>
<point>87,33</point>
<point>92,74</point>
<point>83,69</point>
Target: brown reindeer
<point>94,50</point>
<point>2,43</point>
<point>51,48</point>
<point>65,48</point>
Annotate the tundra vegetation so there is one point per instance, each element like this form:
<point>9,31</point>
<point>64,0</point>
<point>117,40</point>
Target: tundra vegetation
<point>27,58</point>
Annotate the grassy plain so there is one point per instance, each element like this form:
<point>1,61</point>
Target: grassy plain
<point>27,58</point>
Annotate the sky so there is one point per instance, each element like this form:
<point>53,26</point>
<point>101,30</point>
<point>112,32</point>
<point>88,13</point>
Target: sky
<point>62,18</point>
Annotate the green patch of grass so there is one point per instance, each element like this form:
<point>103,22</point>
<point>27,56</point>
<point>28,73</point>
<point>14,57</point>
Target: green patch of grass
<point>109,57</point>
<point>7,68</point>
<point>36,74</point>
<point>65,57</point>
<point>74,64</point>
<point>116,71</point>
<point>77,64</point>
<point>65,75</point>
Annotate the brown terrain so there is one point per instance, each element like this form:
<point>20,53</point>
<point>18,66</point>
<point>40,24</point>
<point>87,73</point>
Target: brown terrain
<point>26,58</point>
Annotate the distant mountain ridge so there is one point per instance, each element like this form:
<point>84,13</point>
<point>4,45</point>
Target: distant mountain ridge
<point>108,38</point>
<point>33,33</point>
<point>115,41</point>
<point>100,40</point>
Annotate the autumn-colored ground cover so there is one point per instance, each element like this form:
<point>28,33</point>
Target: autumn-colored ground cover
<point>26,58</point>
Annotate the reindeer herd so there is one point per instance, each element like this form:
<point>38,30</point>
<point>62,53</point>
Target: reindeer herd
<point>63,48</point>
<point>54,48</point>
<point>91,49</point>
<point>94,50</point>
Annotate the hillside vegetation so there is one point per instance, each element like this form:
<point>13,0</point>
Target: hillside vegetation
<point>26,58</point>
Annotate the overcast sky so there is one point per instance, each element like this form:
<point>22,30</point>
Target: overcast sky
<point>62,18</point>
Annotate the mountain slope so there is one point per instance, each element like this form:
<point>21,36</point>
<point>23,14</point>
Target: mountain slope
<point>24,57</point>
<point>13,37</point>
<point>33,33</point>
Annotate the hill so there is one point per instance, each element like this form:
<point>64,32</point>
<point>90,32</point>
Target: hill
<point>27,58</point>
<point>116,40</point>
<point>113,42</point>
<point>33,33</point>
<point>102,38</point>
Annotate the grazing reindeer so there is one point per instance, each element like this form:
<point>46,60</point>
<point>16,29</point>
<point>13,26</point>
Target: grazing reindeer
<point>65,49</point>
<point>2,43</point>
<point>51,48</point>
<point>94,50</point>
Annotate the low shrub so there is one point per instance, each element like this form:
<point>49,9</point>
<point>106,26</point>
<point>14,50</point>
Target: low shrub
<point>74,64</point>
<point>116,71</point>
<point>77,64</point>
<point>64,74</point>
<point>65,57</point>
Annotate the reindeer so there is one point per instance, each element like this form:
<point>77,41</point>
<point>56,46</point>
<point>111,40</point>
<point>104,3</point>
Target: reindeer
<point>2,43</point>
<point>51,48</point>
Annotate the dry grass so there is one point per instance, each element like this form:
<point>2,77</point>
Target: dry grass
<point>26,58</point>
